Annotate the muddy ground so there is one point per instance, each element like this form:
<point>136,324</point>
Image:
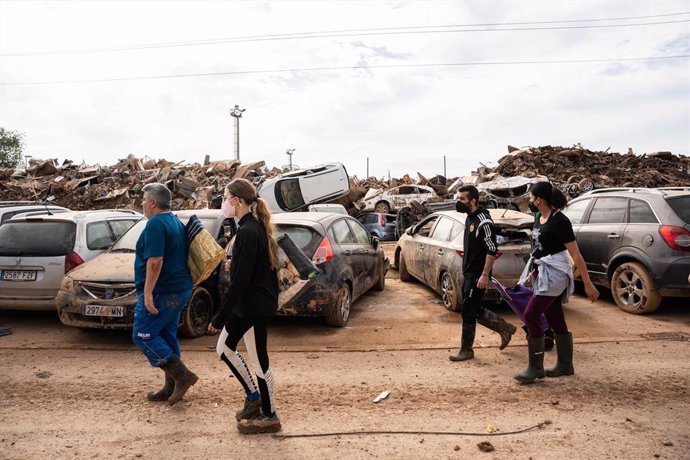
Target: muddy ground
<point>66,393</point>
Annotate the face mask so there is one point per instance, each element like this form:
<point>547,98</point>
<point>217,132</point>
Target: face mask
<point>532,207</point>
<point>227,209</point>
<point>462,207</point>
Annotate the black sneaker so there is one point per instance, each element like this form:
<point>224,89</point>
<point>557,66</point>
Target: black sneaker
<point>250,409</point>
<point>259,424</point>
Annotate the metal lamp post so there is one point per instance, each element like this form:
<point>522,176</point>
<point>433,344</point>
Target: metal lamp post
<point>289,153</point>
<point>236,113</point>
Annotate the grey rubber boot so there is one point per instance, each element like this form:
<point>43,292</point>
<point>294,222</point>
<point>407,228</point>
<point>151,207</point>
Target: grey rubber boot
<point>535,369</point>
<point>497,324</point>
<point>183,377</point>
<point>564,356</point>
<point>164,393</point>
<point>250,410</point>
<point>466,342</point>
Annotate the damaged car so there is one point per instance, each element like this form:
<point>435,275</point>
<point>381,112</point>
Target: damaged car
<point>385,201</point>
<point>432,251</point>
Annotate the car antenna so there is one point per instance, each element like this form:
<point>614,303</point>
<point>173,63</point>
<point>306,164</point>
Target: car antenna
<point>504,213</point>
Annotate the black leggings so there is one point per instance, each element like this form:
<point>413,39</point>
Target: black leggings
<point>254,331</point>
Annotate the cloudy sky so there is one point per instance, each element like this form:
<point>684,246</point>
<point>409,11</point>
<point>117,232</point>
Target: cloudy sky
<point>402,83</point>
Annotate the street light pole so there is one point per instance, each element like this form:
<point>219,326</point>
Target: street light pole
<point>289,153</point>
<point>237,114</point>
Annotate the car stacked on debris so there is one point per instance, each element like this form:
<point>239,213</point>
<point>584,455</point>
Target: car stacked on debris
<point>635,241</point>
<point>432,251</point>
<point>36,251</point>
<point>395,198</point>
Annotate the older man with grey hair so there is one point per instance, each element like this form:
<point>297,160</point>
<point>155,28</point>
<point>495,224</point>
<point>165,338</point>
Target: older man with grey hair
<point>164,286</point>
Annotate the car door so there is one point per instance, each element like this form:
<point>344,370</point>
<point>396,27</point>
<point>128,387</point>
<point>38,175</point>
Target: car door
<point>642,231</point>
<point>419,248</point>
<point>365,249</point>
<point>352,253</point>
<point>601,236</point>
<point>437,249</point>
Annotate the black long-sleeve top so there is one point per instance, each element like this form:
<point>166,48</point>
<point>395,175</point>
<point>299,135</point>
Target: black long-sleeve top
<point>253,289</point>
<point>479,241</point>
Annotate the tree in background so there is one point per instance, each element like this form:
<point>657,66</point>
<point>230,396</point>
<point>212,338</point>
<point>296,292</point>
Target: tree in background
<point>11,148</point>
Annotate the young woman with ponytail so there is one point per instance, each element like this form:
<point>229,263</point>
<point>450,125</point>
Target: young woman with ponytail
<point>552,282</point>
<point>250,302</point>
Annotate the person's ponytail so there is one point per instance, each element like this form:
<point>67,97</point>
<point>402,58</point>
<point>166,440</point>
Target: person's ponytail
<point>264,216</point>
<point>558,199</point>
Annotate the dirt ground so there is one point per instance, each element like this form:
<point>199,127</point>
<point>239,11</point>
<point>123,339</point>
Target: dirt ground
<point>66,393</point>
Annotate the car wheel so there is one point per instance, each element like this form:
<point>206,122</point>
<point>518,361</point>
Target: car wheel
<point>382,207</point>
<point>340,312</point>
<point>197,314</point>
<point>634,290</point>
<point>381,283</point>
<point>402,269</point>
<point>449,293</point>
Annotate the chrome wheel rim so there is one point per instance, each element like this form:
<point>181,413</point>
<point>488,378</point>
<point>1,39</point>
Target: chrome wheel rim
<point>345,304</point>
<point>630,289</point>
<point>447,293</point>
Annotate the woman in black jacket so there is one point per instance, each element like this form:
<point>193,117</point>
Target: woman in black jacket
<point>250,302</point>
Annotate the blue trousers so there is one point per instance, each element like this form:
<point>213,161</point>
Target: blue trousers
<point>156,335</point>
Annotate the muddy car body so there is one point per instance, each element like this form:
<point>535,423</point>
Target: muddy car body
<point>101,293</point>
<point>396,198</point>
<point>508,192</point>
<point>432,252</point>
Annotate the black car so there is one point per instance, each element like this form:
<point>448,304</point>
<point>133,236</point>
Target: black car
<point>349,259</point>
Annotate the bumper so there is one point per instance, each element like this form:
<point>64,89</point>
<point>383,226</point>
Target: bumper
<point>675,282</point>
<point>28,304</point>
<point>70,308</point>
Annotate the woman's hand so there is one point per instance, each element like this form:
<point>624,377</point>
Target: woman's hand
<point>212,330</point>
<point>228,264</point>
<point>591,291</point>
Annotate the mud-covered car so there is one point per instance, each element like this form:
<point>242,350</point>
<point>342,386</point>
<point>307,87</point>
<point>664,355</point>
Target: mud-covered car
<point>432,252</point>
<point>385,201</point>
<point>101,293</point>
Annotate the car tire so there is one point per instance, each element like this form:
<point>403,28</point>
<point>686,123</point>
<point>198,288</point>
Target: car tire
<point>402,269</point>
<point>633,289</point>
<point>381,282</point>
<point>449,292</point>
<point>382,207</point>
<point>197,314</point>
<point>340,312</point>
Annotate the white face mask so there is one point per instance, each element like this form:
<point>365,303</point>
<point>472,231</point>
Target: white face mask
<point>227,209</point>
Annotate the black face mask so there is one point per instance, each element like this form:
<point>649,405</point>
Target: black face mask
<point>462,207</point>
<point>532,207</point>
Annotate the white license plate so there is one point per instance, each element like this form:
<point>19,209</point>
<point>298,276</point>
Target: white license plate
<point>18,275</point>
<point>102,310</point>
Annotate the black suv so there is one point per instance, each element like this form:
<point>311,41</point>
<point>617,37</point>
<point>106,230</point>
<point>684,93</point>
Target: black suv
<point>635,241</point>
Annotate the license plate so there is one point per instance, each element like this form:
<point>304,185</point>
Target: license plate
<point>18,275</point>
<point>103,310</point>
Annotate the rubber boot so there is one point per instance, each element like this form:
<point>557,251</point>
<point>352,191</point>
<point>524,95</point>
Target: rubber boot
<point>535,370</point>
<point>564,356</point>
<point>548,339</point>
<point>164,393</point>
<point>466,352</point>
<point>497,324</point>
<point>183,377</point>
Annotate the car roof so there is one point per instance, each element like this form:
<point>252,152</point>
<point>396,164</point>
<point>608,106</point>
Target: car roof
<point>307,218</point>
<point>82,215</point>
<point>499,216</point>
<point>638,191</point>
<point>200,213</point>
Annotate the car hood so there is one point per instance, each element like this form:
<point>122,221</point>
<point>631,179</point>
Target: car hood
<point>112,267</point>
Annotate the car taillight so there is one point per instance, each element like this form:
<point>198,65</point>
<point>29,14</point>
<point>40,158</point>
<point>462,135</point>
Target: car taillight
<point>676,237</point>
<point>460,252</point>
<point>72,260</point>
<point>498,255</point>
<point>323,253</point>
<point>382,220</point>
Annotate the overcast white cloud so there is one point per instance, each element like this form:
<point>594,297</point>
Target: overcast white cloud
<point>403,119</point>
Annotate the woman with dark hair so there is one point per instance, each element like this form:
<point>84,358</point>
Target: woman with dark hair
<point>552,282</point>
<point>250,302</point>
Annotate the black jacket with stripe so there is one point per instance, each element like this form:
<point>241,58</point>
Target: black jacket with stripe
<point>480,240</point>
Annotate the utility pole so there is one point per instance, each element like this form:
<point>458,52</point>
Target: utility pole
<point>367,168</point>
<point>236,113</point>
<point>289,153</point>
<point>444,167</point>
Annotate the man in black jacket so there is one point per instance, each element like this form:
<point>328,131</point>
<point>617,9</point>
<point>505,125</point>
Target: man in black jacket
<point>479,256</point>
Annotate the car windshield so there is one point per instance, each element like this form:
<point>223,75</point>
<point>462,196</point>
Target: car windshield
<point>681,205</point>
<point>37,238</point>
<point>128,241</point>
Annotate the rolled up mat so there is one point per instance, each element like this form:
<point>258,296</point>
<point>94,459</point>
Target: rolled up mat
<point>302,263</point>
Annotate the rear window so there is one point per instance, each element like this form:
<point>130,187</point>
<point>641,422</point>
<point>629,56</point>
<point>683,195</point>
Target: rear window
<point>681,206</point>
<point>289,194</point>
<point>302,236</point>
<point>37,239</point>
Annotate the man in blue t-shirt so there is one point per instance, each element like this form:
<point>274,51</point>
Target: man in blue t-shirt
<point>164,287</point>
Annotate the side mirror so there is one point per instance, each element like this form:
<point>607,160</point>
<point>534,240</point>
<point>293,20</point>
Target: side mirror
<point>375,242</point>
<point>408,231</point>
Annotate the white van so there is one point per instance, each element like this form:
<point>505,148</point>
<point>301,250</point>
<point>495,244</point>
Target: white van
<point>296,190</point>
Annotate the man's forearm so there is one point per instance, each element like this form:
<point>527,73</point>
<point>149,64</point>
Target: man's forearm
<point>488,264</point>
<point>154,265</point>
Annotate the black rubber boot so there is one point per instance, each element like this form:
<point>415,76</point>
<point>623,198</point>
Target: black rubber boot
<point>251,409</point>
<point>564,354</point>
<point>497,324</point>
<point>548,339</point>
<point>535,370</point>
<point>183,377</point>
<point>164,393</point>
<point>466,342</point>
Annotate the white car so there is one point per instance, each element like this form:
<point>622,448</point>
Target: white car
<point>296,190</point>
<point>396,198</point>
<point>9,209</point>
<point>37,251</point>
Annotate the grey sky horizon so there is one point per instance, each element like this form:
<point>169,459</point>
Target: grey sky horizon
<point>402,97</point>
